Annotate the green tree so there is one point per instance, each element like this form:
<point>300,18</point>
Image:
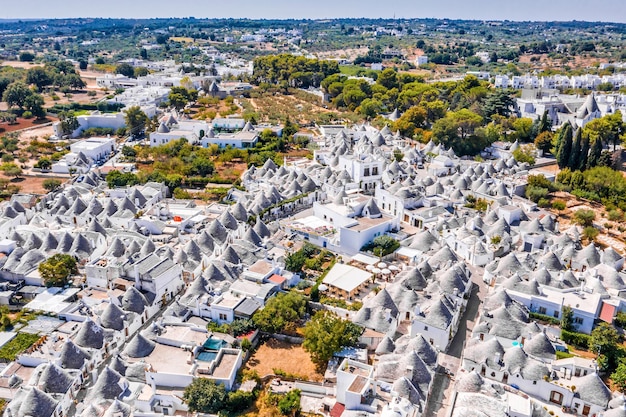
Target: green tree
<point>11,169</point>
<point>567,319</point>
<point>574,156</point>
<point>619,376</point>
<point>135,119</point>
<point>39,77</point>
<point>26,56</point>
<point>205,396</point>
<point>51,184</point>
<point>44,163</point>
<point>326,334</point>
<point>413,118</point>
<point>295,261</point>
<point>117,178</point>
<point>545,124</point>
<point>280,312</point>
<point>289,129</point>
<point>583,160</point>
<point>543,141</point>
<point>604,341</point>
<point>69,122</point>
<point>16,94</point>
<point>289,403</point>
<point>140,72</point>
<point>34,104</point>
<point>498,102</point>
<point>125,69</point>
<point>57,269</point>
<point>388,78</point>
<point>564,146</point>
<point>595,154</point>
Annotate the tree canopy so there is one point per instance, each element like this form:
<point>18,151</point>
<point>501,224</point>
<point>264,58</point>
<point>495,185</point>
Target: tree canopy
<point>205,396</point>
<point>326,334</point>
<point>57,269</point>
<point>280,313</point>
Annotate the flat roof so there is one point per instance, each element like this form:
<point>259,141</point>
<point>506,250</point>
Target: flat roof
<point>225,368</point>
<point>346,277</point>
<point>364,223</point>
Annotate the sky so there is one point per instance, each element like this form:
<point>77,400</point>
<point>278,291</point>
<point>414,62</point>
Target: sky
<point>520,10</point>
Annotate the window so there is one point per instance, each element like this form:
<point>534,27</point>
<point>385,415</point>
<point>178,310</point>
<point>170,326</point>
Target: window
<point>578,320</point>
<point>366,172</point>
<point>375,171</point>
<point>556,314</point>
<point>425,328</point>
<point>542,310</point>
<point>223,316</point>
<point>556,397</point>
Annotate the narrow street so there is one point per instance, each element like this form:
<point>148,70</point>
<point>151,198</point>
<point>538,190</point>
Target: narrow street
<point>450,362</point>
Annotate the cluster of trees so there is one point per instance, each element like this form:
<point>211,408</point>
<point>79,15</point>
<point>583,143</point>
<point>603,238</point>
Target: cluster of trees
<point>291,70</point>
<point>179,97</point>
<point>58,74</point>
<point>281,313</point>
<point>204,395</point>
<point>583,149</point>
<point>600,183</point>
<point>466,115</point>
<point>130,71</point>
<point>27,100</point>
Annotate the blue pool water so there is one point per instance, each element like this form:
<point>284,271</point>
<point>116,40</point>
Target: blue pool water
<point>206,356</point>
<point>213,344</point>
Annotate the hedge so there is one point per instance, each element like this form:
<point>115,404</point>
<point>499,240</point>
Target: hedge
<point>545,318</point>
<point>580,340</point>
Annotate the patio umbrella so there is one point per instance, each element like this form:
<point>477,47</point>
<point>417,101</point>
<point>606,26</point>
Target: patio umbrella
<point>393,268</point>
<point>382,265</point>
<point>386,271</point>
<point>322,287</point>
<point>369,267</point>
<point>376,271</point>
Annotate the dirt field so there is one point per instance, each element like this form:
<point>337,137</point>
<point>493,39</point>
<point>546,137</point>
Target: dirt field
<point>281,355</point>
<point>33,185</point>
<point>24,123</point>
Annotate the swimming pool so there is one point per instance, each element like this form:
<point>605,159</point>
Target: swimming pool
<point>213,344</point>
<point>205,356</point>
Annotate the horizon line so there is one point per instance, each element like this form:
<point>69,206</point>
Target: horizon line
<point>35,19</point>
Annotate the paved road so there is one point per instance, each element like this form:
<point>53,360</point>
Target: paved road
<point>450,362</point>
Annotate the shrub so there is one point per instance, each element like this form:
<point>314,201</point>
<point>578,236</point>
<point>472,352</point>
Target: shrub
<point>27,115</point>
<point>563,355</point>
<point>558,205</point>
<point>535,194</point>
<point>615,216</point>
<point>543,202</point>
<point>584,217</point>
<point>579,340</point>
<point>590,233</point>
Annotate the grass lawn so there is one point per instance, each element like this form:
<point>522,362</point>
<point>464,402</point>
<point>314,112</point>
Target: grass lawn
<point>17,345</point>
<point>292,359</point>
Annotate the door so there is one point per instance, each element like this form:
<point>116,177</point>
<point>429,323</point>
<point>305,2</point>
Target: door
<point>586,410</point>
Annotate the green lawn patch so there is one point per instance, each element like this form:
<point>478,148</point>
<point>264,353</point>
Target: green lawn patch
<point>17,345</point>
